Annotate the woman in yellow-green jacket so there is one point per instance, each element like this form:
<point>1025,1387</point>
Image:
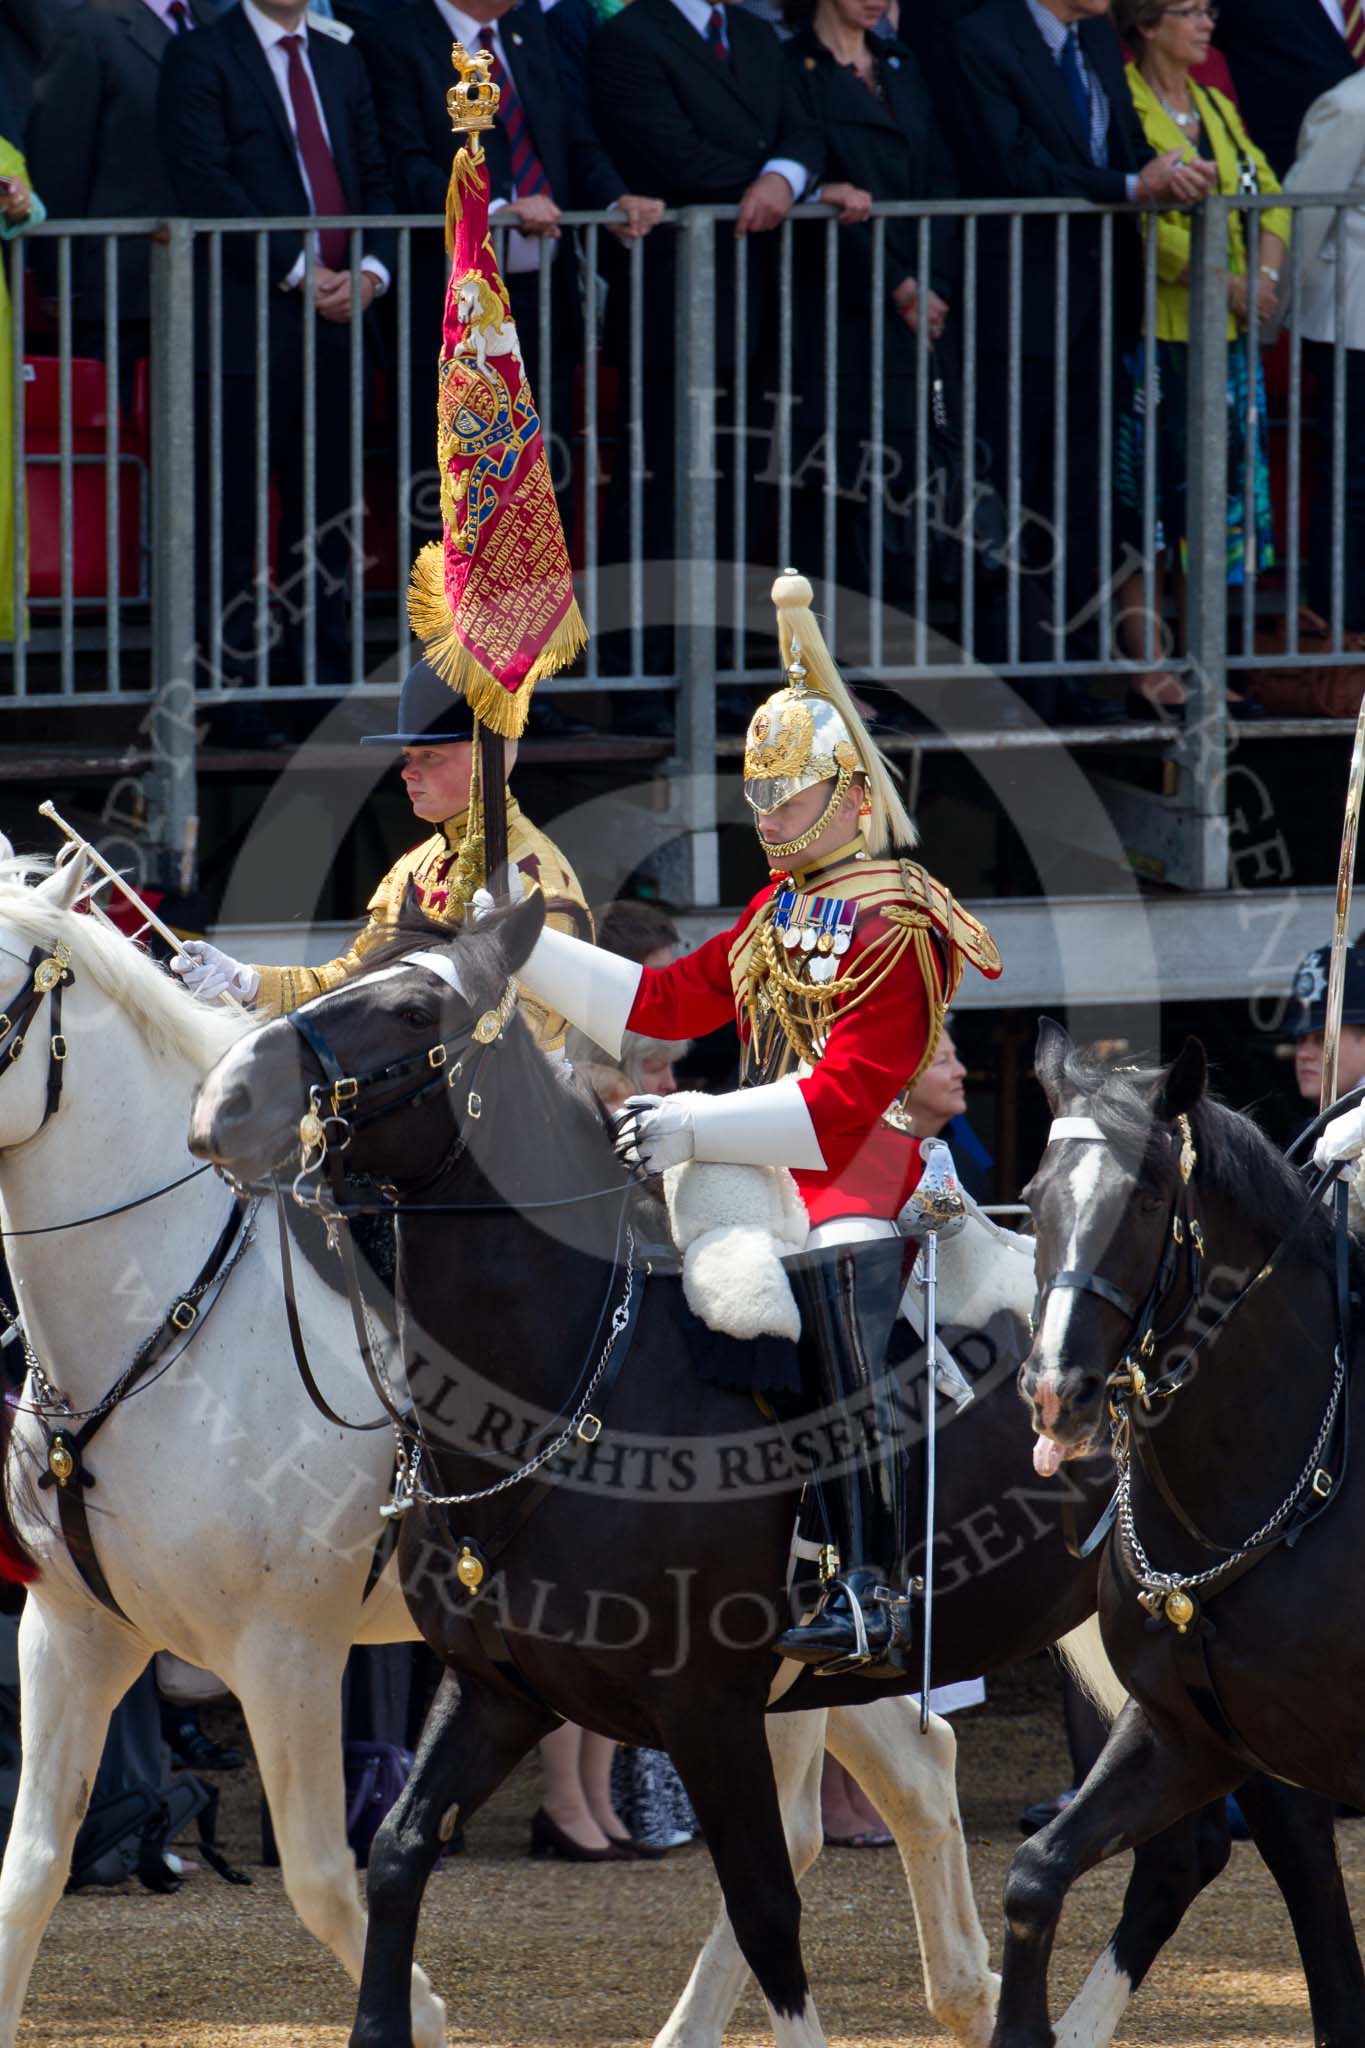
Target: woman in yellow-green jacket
<point>1171,41</point>
<point>20,208</point>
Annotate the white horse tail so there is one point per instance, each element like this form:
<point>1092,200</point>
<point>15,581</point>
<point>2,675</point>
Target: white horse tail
<point>1082,1652</point>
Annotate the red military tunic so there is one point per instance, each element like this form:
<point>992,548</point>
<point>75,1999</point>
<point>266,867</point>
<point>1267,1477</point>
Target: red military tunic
<point>859,1038</point>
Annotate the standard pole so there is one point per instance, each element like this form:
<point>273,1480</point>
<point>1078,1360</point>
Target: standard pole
<point>493,788</point>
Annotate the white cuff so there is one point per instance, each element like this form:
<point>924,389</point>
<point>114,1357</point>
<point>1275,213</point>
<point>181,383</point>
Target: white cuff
<point>378,272</point>
<point>796,175</point>
<point>765,1126</point>
<point>294,278</point>
<point>594,989</point>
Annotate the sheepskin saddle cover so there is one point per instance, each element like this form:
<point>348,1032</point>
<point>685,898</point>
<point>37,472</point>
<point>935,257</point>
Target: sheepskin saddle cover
<point>733,1226</point>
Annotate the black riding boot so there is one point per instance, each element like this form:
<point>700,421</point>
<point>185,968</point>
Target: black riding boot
<point>848,1306</point>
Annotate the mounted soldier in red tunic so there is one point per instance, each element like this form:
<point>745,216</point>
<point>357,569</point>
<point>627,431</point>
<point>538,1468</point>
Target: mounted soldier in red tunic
<point>839,974</point>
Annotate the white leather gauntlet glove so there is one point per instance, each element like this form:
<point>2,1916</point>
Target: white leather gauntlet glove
<point>1343,1140</point>
<point>208,972</point>
<point>655,1131</point>
<point>764,1126</point>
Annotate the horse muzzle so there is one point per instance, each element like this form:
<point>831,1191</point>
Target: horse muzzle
<point>1060,1405</point>
<point>234,1124</point>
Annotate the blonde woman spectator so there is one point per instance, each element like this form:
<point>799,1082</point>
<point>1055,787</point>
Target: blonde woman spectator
<point>1171,41</point>
<point>20,208</point>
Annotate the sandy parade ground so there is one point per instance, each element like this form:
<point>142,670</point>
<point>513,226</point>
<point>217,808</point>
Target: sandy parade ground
<point>544,1955</point>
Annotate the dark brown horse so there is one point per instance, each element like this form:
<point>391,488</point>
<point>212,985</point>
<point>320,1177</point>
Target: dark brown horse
<point>1191,1288</point>
<point>639,1594</point>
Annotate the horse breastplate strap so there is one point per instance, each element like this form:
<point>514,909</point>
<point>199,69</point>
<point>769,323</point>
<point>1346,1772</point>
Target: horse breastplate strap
<point>66,1467</point>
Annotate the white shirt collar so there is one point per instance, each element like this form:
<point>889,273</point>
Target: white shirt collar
<point>162,10</point>
<point>698,12</point>
<point>463,26</point>
<point>269,34</point>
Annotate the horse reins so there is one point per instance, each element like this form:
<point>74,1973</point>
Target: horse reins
<point>326,1129</point>
<point>325,1133</point>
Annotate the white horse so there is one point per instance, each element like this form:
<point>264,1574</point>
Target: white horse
<point>234,1526</point>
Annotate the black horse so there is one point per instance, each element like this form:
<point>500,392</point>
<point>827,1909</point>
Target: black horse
<point>639,1594</point>
<point>1192,1291</point>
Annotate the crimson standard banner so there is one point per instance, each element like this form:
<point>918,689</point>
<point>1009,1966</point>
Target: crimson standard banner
<point>493,603</point>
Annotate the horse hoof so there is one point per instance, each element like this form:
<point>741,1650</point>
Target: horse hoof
<point>429,2027</point>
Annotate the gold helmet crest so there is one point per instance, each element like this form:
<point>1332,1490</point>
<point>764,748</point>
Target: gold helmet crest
<point>809,732</point>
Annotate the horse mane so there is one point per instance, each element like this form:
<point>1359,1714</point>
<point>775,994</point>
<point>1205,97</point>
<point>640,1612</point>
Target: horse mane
<point>405,934</point>
<point>1237,1164</point>
<point>165,1013</point>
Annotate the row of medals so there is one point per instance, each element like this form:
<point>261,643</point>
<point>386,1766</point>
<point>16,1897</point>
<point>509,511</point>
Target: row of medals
<point>823,949</point>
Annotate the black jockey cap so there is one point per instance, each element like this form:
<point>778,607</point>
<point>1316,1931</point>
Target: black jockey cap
<point>430,714</point>
<point>1308,997</point>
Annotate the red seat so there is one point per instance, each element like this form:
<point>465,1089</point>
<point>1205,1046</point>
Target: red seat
<point>43,404</point>
<point>42,445</point>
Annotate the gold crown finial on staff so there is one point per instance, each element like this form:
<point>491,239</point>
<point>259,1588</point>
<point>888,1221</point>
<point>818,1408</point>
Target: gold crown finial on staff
<point>473,99</point>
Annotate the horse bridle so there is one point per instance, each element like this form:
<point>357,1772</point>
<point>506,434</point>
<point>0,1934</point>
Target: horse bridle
<point>334,1114</point>
<point>1183,1237</point>
<point>326,1128</point>
<point>48,975</point>
<point>1129,1381</point>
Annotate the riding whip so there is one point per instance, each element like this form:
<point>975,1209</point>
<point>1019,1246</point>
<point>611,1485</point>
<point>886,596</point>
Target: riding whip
<point>111,874</point>
<point>935,1209</point>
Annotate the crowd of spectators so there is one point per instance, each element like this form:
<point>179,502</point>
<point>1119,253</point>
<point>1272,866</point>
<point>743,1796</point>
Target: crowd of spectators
<point>259,109</point>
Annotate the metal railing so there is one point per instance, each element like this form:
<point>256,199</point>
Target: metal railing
<point>727,437</point>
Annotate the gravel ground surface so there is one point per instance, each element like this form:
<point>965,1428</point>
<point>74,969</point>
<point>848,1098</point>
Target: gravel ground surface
<point>540,1955</point>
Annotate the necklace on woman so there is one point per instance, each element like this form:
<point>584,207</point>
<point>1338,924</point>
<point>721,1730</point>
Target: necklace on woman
<point>1185,122</point>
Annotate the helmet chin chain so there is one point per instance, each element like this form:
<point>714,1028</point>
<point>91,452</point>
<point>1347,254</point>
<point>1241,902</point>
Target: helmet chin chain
<point>787,848</point>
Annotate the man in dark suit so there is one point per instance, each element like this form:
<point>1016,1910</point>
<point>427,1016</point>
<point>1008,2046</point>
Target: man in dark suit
<point>93,153</point>
<point>542,156</point>
<point>1283,55</point>
<point>1044,98</point>
<point>698,106</point>
<point>259,116</point>
<point>26,31</point>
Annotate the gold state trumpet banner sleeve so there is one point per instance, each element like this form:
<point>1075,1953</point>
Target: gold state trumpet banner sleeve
<point>493,603</point>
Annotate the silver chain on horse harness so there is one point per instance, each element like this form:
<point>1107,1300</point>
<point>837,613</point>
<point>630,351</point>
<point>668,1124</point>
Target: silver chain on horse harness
<point>408,1486</point>
<point>1158,1586</point>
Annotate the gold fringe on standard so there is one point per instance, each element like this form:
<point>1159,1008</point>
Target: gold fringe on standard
<point>890,824</point>
<point>502,710</point>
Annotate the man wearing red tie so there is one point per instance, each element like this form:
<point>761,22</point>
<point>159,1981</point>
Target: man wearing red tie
<point>543,157</point>
<point>265,114</point>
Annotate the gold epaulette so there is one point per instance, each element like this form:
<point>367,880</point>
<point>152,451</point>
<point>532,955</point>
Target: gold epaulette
<point>965,933</point>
